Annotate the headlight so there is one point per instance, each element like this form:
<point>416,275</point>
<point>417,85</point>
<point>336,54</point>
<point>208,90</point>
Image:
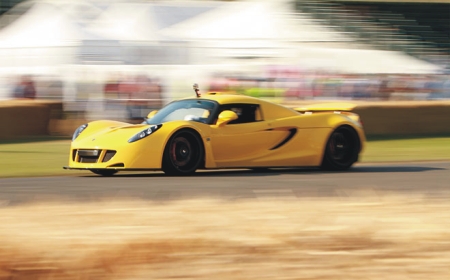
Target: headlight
<point>78,131</point>
<point>144,133</point>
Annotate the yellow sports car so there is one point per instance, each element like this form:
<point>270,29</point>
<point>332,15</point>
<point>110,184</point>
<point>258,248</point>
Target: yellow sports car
<point>221,131</point>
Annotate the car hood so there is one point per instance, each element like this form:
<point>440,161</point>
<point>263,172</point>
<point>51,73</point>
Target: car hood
<point>105,136</point>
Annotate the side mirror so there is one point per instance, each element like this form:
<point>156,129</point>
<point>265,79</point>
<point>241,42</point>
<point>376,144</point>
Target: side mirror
<point>151,114</point>
<point>226,117</point>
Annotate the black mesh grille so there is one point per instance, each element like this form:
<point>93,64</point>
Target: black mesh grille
<point>108,155</point>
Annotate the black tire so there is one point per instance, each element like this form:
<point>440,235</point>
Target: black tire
<point>183,154</point>
<point>342,149</point>
<point>104,172</point>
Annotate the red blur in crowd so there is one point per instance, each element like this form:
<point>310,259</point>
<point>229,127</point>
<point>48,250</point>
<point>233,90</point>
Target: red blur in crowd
<point>25,88</point>
<point>136,93</point>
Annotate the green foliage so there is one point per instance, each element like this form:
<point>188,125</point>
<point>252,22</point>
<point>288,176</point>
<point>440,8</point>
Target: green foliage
<point>414,149</point>
<point>41,158</point>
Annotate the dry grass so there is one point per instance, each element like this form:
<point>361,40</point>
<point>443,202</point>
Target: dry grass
<point>357,237</point>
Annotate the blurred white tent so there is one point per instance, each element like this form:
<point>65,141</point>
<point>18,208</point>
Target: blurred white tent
<point>51,37</point>
<point>251,20</point>
<point>266,29</point>
<point>126,22</point>
<point>61,32</point>
<point>44,36</point>
<point>362,61</point>
<point>269,30</point>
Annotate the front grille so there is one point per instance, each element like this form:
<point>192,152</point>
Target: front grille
<point>89,153</point>
<point>86,159</point>
<point>92,156</point>
<point>108,155</point>
<point>88,156</point>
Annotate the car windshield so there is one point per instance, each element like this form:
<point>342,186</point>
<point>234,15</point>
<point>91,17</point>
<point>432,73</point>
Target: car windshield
<point>189,110</point>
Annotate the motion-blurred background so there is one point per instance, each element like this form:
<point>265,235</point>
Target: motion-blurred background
<point>119,59</point>
<point>66,62</point>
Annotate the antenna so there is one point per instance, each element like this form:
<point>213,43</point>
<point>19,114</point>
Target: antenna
<point>196,89</point>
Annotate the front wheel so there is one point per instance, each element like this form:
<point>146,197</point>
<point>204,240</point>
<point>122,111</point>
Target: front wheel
<point>183,153</point>
<point>104,172</point>
<point>342,149</point>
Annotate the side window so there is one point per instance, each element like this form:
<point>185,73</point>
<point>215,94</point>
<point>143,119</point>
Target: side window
<point>246,112</point>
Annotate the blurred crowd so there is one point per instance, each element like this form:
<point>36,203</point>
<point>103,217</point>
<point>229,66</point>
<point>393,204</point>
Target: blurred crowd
<point>133,96</point>
<point>120,96</point>
<point>136,93</point>
<point>24,88</point>
<point>297,84</point>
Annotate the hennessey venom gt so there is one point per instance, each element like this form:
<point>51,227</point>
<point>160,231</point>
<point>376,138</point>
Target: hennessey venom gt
<point>215,131</point>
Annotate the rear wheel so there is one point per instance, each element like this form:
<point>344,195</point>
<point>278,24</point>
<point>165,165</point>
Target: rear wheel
<point>104,172</point>
<point>342,149</point>
<point>183,153</point>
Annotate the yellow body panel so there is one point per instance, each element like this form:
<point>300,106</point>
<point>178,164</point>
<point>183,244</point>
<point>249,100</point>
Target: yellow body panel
<point>143,154</point>
<point>283,138</point>
<point>253,142</point>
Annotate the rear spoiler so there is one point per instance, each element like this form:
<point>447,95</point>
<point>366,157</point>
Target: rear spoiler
<point>327,107</point>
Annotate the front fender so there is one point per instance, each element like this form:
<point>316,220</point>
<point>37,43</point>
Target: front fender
<point>203,130</point>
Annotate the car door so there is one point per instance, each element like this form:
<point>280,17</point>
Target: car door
<point>242,141</point>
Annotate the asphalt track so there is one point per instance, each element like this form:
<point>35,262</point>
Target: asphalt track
<point>430,179</point>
